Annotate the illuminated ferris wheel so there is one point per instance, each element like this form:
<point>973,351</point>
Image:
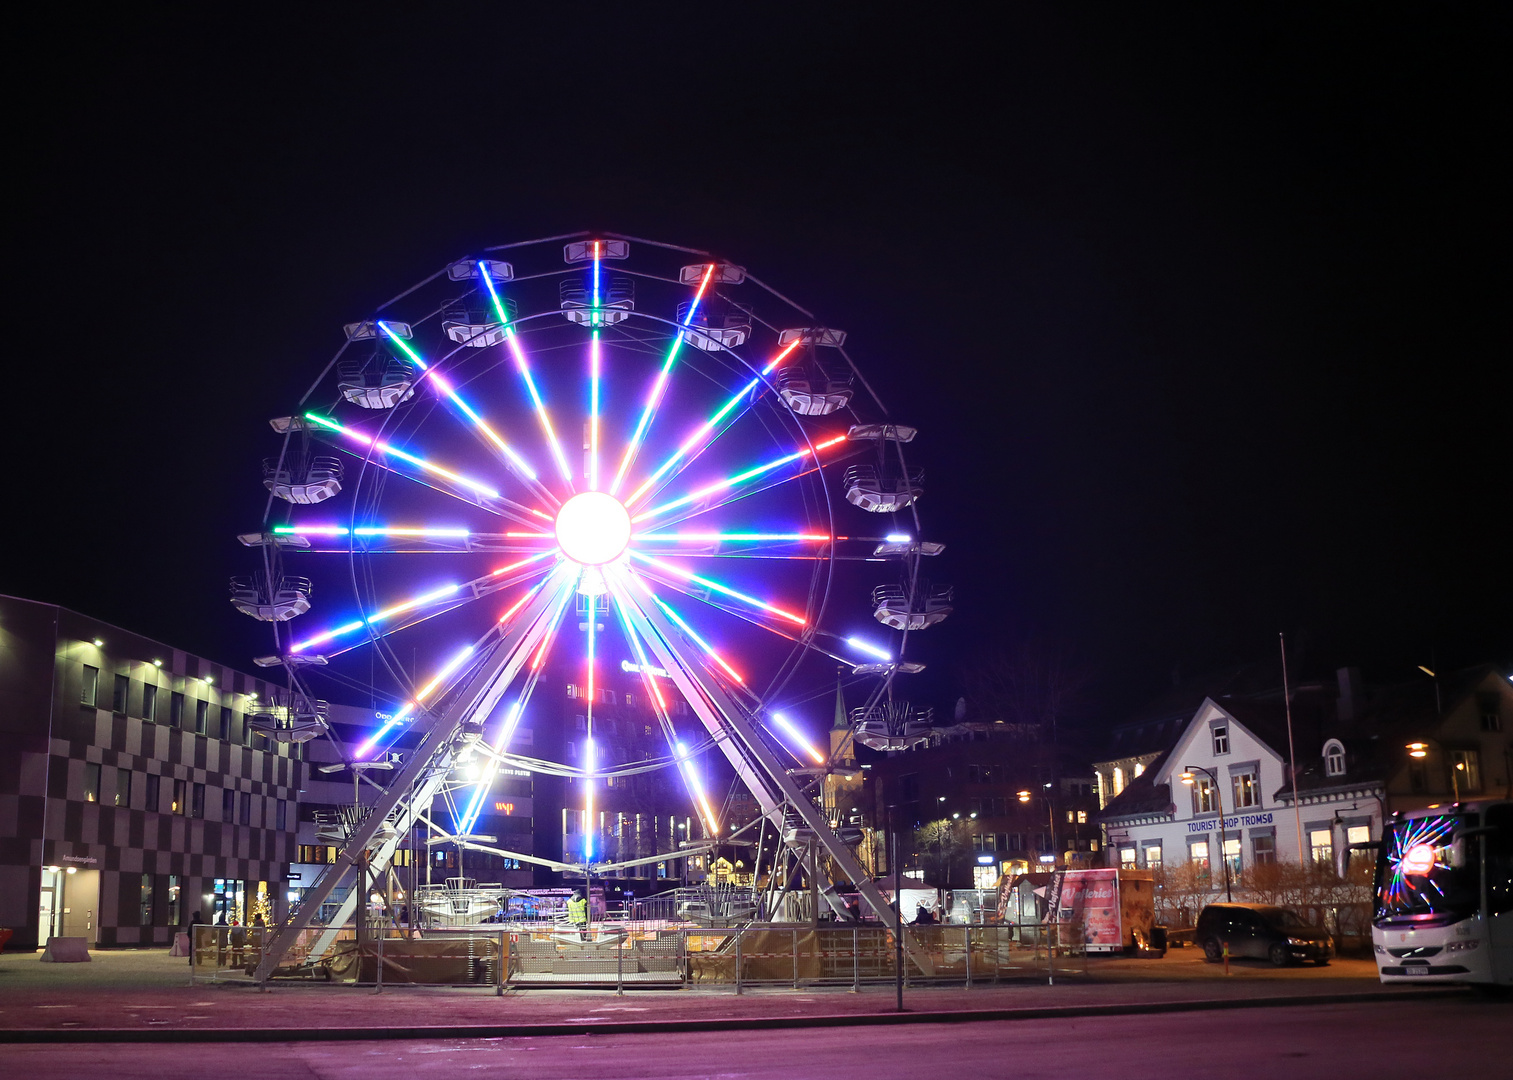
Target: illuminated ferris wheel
<point>554,453</point>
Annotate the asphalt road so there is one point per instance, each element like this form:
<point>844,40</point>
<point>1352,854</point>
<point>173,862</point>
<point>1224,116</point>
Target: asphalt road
<point>1381,1040</point>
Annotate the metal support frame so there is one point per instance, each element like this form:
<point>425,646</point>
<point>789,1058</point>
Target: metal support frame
<point>418,781</point>
<point>754,763</point>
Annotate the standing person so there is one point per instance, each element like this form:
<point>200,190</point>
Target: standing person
<point>194,920</point>
<point>577,912</point>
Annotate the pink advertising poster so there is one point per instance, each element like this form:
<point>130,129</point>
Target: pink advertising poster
<point>1090,899</point>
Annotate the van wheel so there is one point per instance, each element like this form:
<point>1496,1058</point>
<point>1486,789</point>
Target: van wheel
<point>1279,955</point>
<point>1213,952</point>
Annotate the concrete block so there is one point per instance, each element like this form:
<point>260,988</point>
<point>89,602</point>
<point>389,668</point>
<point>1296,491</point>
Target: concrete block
<point>66,950</point>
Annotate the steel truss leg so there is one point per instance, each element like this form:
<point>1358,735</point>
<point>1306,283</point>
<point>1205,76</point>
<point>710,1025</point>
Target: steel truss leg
<point>400,805</point>
<point>754,763</point>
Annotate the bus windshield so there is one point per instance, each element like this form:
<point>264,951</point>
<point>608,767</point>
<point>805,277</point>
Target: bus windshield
<point>1419,871</point>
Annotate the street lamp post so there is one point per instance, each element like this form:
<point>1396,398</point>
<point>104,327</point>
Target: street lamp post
<point>1050,815</point>
<point>1187,778</point>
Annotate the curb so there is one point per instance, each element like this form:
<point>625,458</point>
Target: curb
<point>643,1027</point>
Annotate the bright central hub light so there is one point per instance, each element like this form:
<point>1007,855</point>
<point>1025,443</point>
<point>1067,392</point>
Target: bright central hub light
<point>593,528</point>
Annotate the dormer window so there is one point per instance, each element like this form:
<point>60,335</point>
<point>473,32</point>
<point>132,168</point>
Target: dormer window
<point>1334,758</point>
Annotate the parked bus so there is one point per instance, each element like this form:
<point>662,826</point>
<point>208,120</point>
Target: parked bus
<point>1444,895</point>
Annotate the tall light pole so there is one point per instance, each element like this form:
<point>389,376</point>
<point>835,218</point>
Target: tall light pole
<point>1187,778</point>
<point>1050,815</point>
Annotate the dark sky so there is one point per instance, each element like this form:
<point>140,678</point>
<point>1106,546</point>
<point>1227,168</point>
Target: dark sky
<point>1202,315</point>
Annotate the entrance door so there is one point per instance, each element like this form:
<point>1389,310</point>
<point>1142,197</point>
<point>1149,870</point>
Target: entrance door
<point>50,911</point>
<point>81,905</point>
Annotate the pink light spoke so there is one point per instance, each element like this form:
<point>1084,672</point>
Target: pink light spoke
<point>739,478</point>
<point>699,435</point>
<point>660,385</point>
<point>688,575</point>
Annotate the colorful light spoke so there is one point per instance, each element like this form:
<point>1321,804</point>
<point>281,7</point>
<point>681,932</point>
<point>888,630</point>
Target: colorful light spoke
<point>394,451</point>
<point>709,425</point>
<point>467,410</point>
<point>798,737</point>
<point>734,537</point>
<point>694,637</point>
<point>513,340</point>
<point>686,575</point>
<point>387,613</point>
<point>446,672</point>
<point>871,650</point>
<point>739,478</point>
<point>660,385</point>
<point>692,778</point>
<point>372,530</point>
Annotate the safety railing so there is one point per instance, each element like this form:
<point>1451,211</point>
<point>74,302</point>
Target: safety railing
<point>637,954</point>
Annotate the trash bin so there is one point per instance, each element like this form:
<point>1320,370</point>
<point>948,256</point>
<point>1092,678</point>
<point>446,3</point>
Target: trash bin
<point>1158,938</point>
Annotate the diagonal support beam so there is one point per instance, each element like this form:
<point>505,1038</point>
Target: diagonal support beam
<point>403,802</point>
<point>755,764</point>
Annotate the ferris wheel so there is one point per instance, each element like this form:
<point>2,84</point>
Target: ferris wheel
<point>586,446</point>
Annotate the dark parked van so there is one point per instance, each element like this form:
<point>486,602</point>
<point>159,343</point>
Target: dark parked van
<point>1260,931</point>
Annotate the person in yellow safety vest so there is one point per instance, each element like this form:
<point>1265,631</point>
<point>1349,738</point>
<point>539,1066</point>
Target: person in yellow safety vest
<point>577,912</point>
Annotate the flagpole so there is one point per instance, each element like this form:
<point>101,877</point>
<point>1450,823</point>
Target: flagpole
<point>1292,754</point>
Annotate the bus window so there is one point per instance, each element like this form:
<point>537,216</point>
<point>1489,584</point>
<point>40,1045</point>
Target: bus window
<point>1500,860</point>
<point>1423,871</point>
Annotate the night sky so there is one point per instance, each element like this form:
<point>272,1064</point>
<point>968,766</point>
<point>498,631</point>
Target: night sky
<point>1201,315</point>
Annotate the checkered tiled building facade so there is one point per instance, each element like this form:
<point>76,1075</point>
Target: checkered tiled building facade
<point>140,773</point>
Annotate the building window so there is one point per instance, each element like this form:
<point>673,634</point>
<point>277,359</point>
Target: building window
<point>246,815</point>
<point>281,820</point>
<point>153,792</point>
<point>606,697</point>
<point>201,708</point>
<point>176,710</point>
<point>150,703</point>
<point>1139,768</point>
<point>90,687</point>
<point>1153,856</point>
<point>572,690</point>
<point>1263,849</point>
<point>1221,738</point>
<point>1081,817</point>
<point>123,787</point>
<point>228,805</point>
<point>118,696</point>
<point>1118,780</point>
<point>1197,852</point>
<point>91,782</point>
<point>144,897</point>
<point>1127,858</point>
<point>1246,792</point>
<point>180,803</point>
<point>225,723</point>
<point>1334,758</point>
<point>1491,714</point>
<point>1359,860</point>
<point>1321,845</point>
<point>580,723</point>
<point>1203,795</point>
<point>1232,857</point>
<point>1467,766</point>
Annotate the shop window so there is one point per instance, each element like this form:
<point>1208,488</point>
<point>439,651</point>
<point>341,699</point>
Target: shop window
<point>1263,850</point>
<point>175,902</point>
<point>1359,860</point>
<point>1153,856</point>
<point>150,703</point>
<point>1321,846</point>
<point>89,688</point>
<point>144,900</point>
<point>1232,856</point>
<point>91,782</point>
<point>1221,738</point>
<point>1197,853</point>
<point>1127,858</point>
<point>118,695</point>
<point>1246,792</point>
